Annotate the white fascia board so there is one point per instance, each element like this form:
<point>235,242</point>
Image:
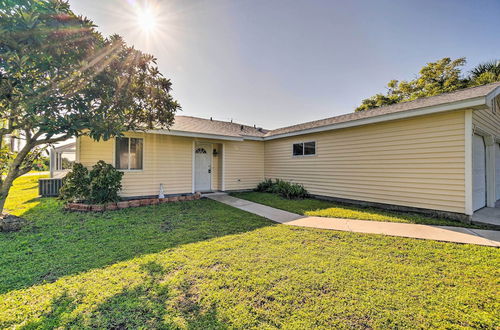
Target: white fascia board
<point>193,134</point>
<point>491,95</point>
<point>253,138</point>
<point>470,103</point>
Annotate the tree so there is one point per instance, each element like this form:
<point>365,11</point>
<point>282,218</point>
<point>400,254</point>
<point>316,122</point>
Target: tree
<point>442,76</point>
<point>485,73</point>
<point>60,78</point>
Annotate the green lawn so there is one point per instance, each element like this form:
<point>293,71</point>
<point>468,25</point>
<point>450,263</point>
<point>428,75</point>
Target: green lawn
<point>205,265</point>
<point>321,208</point>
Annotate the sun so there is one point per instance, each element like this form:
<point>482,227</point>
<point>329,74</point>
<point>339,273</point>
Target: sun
<point>147,20</point>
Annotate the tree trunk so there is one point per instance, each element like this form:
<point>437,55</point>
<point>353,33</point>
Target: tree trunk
<point>14,172</point>
<point>4,190</point>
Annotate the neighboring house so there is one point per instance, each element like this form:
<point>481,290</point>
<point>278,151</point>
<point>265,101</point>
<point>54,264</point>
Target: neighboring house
<point>440,153</point>
<point>14,142</point>
<point>62,158</point>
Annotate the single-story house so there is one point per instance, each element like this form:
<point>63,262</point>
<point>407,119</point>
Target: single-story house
<point>438,154</point>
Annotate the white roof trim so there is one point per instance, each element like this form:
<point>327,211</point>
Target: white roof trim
<point>491,96</point>
<point>194,134</point>
<point>470,103</point>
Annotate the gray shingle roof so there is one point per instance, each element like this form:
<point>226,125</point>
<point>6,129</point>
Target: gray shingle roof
<point>215,127</point>
<point>224,128</point>
<point>460,95</point>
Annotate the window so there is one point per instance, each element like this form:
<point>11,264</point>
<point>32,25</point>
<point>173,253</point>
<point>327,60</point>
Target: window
<point>129,153</point>
<point>304,148</point>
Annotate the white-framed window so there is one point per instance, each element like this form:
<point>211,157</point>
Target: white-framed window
<point>304,148</point>
<point>129,153</point>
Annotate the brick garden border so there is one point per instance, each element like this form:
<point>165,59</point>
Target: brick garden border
<point>80,207</point>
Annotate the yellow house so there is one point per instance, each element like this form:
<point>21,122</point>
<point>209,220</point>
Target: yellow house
<point>439,154</point>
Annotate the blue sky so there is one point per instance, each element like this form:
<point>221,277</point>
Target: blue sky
<point>275,63</point>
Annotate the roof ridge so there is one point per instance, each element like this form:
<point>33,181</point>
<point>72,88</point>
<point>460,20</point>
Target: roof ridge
<point>222,121</point>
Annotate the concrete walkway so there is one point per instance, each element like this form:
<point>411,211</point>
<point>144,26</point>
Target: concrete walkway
<point>438,233</point>
<point>488,215</point>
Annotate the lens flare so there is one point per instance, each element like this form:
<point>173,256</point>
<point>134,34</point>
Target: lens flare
<point>147,20</point>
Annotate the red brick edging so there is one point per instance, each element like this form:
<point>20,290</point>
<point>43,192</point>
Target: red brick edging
<point>80,207</point>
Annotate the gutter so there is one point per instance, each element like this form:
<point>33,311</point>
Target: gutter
<point>193,134</point>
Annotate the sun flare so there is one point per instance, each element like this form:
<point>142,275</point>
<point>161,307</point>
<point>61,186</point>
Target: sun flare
<point>147,20</point>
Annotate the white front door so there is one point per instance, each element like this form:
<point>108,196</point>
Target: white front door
<point>497,169</point>
<point>478,172</point>
<point>202,167</point>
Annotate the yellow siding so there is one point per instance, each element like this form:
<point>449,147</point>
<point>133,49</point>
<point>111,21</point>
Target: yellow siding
<point>487,121</point>
<point>217,168</point>
<point>416,162</point>
<point>244,164</point>
<point>167,160</point>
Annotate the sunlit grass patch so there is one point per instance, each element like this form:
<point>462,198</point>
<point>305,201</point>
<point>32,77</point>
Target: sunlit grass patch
<point>205,265</point>
<point>321,208</point>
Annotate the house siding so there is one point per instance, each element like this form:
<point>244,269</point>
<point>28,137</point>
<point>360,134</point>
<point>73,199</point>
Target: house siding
<point>417,162</point>
<point>168,160</point>
<point>244,164</point>
<point>487,121</point>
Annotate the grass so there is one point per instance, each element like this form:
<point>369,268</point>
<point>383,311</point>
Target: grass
<point>321,208</point>
<point>204,265</point>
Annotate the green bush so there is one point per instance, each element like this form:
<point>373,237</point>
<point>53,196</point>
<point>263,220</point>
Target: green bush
<point>265,186</point>
<point>283,188</point>
<point>100,185</point>
<point>75,184</point>
<point>105,183</point>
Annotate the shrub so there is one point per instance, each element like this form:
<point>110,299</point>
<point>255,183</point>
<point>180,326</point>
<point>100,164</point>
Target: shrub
<point>283,188</point>
<point>100,185</point>
<point>105,183</point>
<point>75,184</point>
<point>265,186</point>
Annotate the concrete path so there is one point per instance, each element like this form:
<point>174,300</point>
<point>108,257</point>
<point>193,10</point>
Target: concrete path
<point>488,215</point>
<point>438,233</point>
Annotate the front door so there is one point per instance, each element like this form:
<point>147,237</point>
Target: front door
<point>202,167</point>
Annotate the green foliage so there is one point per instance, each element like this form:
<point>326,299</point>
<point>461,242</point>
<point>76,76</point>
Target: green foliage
<point>486,73</point>
<point>222,268</point>
<point>100,185</point>
<point>105,183</point>
<point>442,76</point>
<point>283,188</point>
<point>320,208</point>
<point>76,184</point>
<point>265,186</point>
<point>60,78</point>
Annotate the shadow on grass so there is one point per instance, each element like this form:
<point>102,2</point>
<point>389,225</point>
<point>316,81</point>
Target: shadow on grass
<point>148,305</point>
<point>60,243</point>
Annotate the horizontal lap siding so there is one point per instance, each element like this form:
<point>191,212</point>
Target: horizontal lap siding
<point>487,121</point>
<point>415,162</point>
<point>244,164</point>
<point>167,160</point>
